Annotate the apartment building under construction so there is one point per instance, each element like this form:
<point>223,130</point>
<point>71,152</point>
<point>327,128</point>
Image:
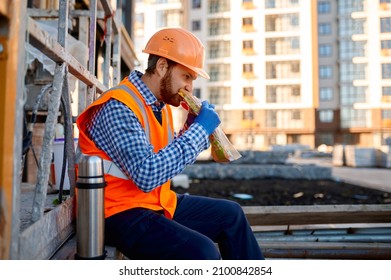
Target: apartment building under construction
<point>288,71</point>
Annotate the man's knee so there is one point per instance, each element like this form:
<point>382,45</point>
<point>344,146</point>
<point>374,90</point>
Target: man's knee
<point>231,208</point>
<point>201,249</point>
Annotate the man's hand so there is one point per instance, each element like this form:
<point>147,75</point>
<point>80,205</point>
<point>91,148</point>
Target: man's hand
<point>208,117</point>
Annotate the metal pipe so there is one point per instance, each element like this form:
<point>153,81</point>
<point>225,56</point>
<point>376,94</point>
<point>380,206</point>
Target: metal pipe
<point>90,209</point>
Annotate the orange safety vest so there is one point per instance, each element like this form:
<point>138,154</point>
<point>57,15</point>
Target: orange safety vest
<point>123,194</point>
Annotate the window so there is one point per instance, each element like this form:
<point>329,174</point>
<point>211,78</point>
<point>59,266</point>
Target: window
<point>324,28</point>
<point>352,94</point>
<point>350,6</point>
<point>248,44</point>
<point>351,117</point>
<point>247,68</point>
<point>325,72</point>
<point>196,25</point>
<point>326,138</point>
<point>167,17</point>
<point>324,7</point>
<point>349,26</point>
<point>248,92</point>
<point>294,20</point>
<point>295,68</point>
<point>295,43</point>
<point>386,45</point>
<point>325,50</point>
<point>296,91</point>
<point>219,96</point>
<point>247,24</point>
<point>196,4</point>
<point>349,49</point>
<point>296,115</point>
<point>214,96</point>
<point>350,72</point>
<point>139,24</point>
<point>197,92</point>
<point>248,47</point>
<point>386,70</point>
<point>386,114</point>
<point>214,73</point>
<point>385,25</point>
<point>387,91</point>
<point>325,94</point>
<point>248,115</point>
<point>247,21</point>
<point>326,115</point>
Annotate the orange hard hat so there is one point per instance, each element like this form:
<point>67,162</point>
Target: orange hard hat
<point>179,45</point>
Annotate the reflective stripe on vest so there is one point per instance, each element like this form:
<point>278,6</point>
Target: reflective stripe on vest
<point>140,103</point>
<point>110,167</point>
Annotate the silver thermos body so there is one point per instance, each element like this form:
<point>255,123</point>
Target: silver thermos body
<point>90,187</point>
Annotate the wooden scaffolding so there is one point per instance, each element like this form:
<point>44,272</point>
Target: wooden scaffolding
<point>47,27</point>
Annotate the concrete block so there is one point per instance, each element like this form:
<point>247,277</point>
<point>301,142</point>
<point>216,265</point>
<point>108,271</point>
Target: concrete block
<point>338,158</point>
<point>360,156</point>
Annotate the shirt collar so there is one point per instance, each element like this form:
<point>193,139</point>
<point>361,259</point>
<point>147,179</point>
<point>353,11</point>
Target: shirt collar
<point>150,99</point>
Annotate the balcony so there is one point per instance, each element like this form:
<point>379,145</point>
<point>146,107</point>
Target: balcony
<point>386,99</point>
<point>386,123</point>
<point>248,28</point>
<point>249,5</point>
<point>248,75</point>
<point>248,51</point>
<point>386,52</point>
<point>385,6</point>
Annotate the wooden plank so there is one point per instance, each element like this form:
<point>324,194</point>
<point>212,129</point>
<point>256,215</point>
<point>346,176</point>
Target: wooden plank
<point>40,240</point>
<point>326,250</point>
<point>47,145</point>
<point>40,13</point>
<point>326,245</point>
<point>317,214</point>
<point>52,49</point>
<point>67,251</point>
<point>12,71</point>
<point>4,5</point>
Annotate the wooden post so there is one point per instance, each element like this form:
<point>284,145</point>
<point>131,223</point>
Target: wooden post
<point>13,26</point>
<point>51,119</point>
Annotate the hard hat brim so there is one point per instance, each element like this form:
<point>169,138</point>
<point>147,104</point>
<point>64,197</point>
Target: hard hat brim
<point>199,71</point>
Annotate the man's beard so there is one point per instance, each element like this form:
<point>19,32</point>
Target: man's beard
<point>166,92</point>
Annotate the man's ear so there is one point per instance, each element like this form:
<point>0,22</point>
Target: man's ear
<point>161,66</point>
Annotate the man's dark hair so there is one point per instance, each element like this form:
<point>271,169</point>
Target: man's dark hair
<point>152,60</point>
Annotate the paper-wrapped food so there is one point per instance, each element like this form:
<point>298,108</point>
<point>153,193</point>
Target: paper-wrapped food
<point>221,148</point>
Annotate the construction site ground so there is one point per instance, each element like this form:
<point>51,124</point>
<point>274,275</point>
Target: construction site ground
<point>349,186</point>
<point>268,192</point>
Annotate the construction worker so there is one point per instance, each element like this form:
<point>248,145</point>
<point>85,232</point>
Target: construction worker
<point>131,128</point>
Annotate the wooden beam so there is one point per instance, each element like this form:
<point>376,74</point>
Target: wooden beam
<point>51,48</point>
<point>41,13</point>
<point>325,250</point>
<point>317,214</point>
<point>12,71</point>
<point>3,8</point>
<point>41,239</point>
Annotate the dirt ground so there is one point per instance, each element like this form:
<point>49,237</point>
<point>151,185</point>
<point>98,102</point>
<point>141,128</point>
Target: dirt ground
<point>268,192</point>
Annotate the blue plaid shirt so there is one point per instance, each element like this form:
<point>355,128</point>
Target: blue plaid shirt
<point>116,130</point>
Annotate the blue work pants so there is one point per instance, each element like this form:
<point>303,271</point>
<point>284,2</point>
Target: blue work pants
<point>199,223</point>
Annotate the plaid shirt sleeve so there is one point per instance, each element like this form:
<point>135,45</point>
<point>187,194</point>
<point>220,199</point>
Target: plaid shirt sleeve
<point>117,131</point>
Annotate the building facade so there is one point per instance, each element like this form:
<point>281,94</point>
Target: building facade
<point>289,71</point>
